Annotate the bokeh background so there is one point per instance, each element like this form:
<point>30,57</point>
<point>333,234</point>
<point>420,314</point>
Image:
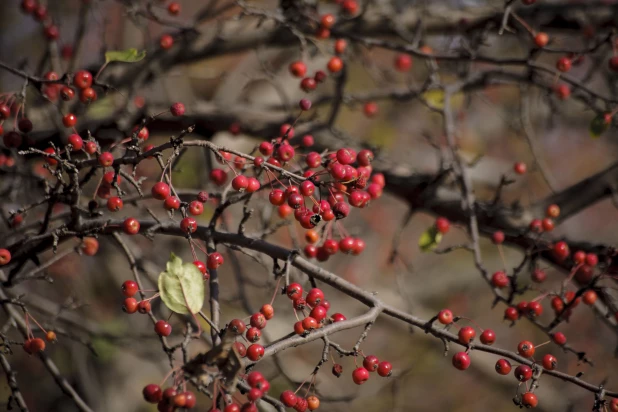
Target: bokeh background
<point>109,356</point>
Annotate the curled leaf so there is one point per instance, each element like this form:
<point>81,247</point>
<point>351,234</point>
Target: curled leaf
<point>430,239</point>
<point>598,126</point>
<point>182,286</point>
<point>127,56</point>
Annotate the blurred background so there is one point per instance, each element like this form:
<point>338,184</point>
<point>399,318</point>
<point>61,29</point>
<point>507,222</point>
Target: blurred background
<point>110,356</point>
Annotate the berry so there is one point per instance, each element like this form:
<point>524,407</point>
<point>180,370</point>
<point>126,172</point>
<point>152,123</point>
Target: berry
<point>202,197</point>
<point>131,226</point>
<point>511,313</point>
<point>314,297</point>
<point>143,307</point>
<point>5,257</point>
<point>310,323</point>
<point>87,95</point>
<point>173,8</point>
<point>385,369</point>
<point>548,224</point>
<point>538,275</point>
<point>443,225</point>
<point>541,40</point>
<point>503,367</point>
<point>371,363</point>
<point>526,349</point>
<point>350,7</point>
<point>563,64</point>
<point>255,352</point>
<point>340,46</point>
<point>90,246</point>
<point>50,336</point>
<point>591,259</point>
<point>370,109</point>
<point>553,211</point>
<point>258,320</point>
<point>523,373</point>
<point>500,280</point>
<point>268,311</point>
<point>520,168</point>
<point>82,79</point>
<point>561,250</point>
<point>12,139</point>
<point>337,317</point>
<point>215,259</point>
<point>403,62</point>
<point>304,104</point>
<point>488,337</point>
<point>91,147</point>
<point>253,334</point>
<point>188,225</point>
<point>142,132</point>
<point>563,91</point>
<point>130,305</point>
<point>240,183</point>
<point>294,291</point>
<point>106,159</point>
<point>171,203</point>
<point>177,109</point>
<point>166,42</point>
<point>313,403</point>
<point>190,399</point>
<point>529,400</point>
<point>360,376</point>
<point>497,237</point>
<point>445,317</point>
<point>196,208</point>
<point>288,398</point>
<point>534,309</point>
<point>69,120</point>
<point>24,125</point>
<point>589,297</point>
<point>536,225</point>
<point>114,204</point>
<point>298,69</point>
<point>466,335</point>
<point>218,176</point>
<point>335,64</point>
<point>237,326</point>
<point>308,84</point>
<point>162,328</point>
<point>160,191</point>
<point>76,142</point>
<point>461,361</point>
<point>201,266</point>
<point>550,362</point>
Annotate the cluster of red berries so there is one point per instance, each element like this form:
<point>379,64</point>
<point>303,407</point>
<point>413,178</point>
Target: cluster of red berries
<point>39,13</point>
<point>169,399</point>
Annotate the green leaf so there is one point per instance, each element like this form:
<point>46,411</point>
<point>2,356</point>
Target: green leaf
<point>182,286</point>
<point>127,56</point>
<point>430,239</point>
<point>598,126</point>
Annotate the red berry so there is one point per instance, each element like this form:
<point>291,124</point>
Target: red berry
<point>500,280</point>
<point>308,84</point>
<point>550,362</point>
<point>214,260</point>
<point>445,317</point>
<point>503,367</point>
<point>589,297</point>
<point>461,361</point>
<point>360,376</point>
<point>294,291</point>
<point>497,237</point>
<point>304,104</point>
<point>258,320</point>
<point>523,373</point>
<point>442,224</point>
<point>91,147</point>
<point>563,91</point>
<point>237,326</point>
<point>520,168</point>
<point>337,317</point>
<point>5,257</point>
<point>143,307</point>
<point>288,398</point>
<point>162,328</point>
<point>340,46</point>
<point>196,208</point>
<point>385,369</point>
<point>370,109</point>
<point>538,275</point>
<point>529,400</point>
<point>255,352</point>
<point>335,64</point>
<point>188,225</point>
<point>177,109</point>
<point>24,125</point>
<point>253,334</point>
<point>76,142</point>
<point>371,363</point>
<point>268,311</point>
<point>561,250</point>
<point>534,309</point>
<point>160,190</point>
<point>87,95</point>
<point>90,246</point>
<point>171,203</point>
<point>69,120</point>
<point>548,224</point>
<point>114,204</point>
<point>511,313</point>
<point>166,42</point>
<point>466,335</point>
<point>218,176</point>
<point>131,226</point>
<point>240,183</point>
<point>563,64</point>
<point>201,266</point>
<point>488,337</point>
<point>82,79</point>
<point>152,393</point>
<point>129,305</point>
<point>298,69</point>
<point>403,62</point>
<point>541,40</point>
<point>559,338</point>
<point>310,323</point>
<point>106,159</point>
<point>526,349</point>
<point>173,8</point>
